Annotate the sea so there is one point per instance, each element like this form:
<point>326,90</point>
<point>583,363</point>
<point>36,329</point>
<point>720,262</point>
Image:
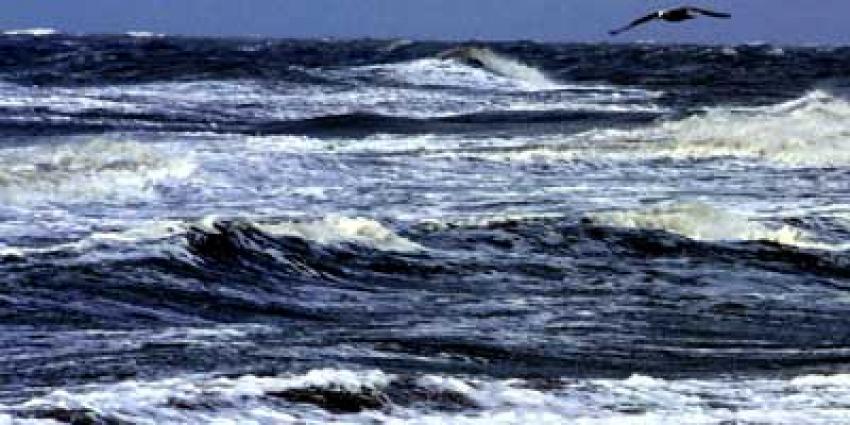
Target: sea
<point>274,231</point>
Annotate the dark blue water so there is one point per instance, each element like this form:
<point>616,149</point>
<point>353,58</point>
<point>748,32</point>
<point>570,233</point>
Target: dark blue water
<point>277,231</point>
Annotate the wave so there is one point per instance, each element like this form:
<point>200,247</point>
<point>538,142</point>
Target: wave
<point>75,60</point>
<point>441,73</point>
<point>334,230</point>
<point>694,228</point>
<point>373,396</point>
<point>100,169</point>
<point>700,221</point>
<point>531,78</point>
<point>467,67</point>
<point>244,106</point>
<point>363,124</point>
<point>35,32</point>
<point>143,34</point>
<point>810,131</point>
<point>174,237</point>
<point>456,297</point>
<point>330,231</point>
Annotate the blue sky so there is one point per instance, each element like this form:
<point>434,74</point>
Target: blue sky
<point>776,21</point>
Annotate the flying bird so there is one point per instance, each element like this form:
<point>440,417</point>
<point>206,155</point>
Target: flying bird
<point>678,14</point>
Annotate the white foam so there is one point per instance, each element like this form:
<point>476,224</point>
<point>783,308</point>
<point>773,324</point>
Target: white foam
<point>144,238</point>
<point>336,229</point>
<point>529,77</point>
<point>254,100</point>
<point>95,170</point>
<point>150,402</point>
<point>701,221</point>
<point>509,67</point>
<point>636,400</point>
<point>137,239</point>
<point>144,34</point>
<point>776,51</point>
<point>35,32</point>
<point>729,51</point>
<point>497,72</point>
<point>811,131</point>
<point>156,230</point>
<point>11,251</point>
<point>440,72</point>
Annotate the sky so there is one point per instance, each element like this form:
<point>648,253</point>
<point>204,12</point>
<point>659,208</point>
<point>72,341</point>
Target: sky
<point>772,21</point>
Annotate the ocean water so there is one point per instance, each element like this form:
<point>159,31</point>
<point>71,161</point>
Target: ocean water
<point>279,231</point>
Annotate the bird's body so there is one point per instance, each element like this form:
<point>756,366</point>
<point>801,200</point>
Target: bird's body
<point>678,14</point>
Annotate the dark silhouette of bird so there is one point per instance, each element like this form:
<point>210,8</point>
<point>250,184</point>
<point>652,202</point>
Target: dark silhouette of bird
<point>678,14</point>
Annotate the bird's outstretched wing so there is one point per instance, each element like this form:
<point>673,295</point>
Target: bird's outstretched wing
<point>636,22</point>
<point>711,13</point>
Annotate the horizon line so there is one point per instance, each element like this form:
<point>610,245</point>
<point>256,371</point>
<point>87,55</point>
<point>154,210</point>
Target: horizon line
<point>46,32</point>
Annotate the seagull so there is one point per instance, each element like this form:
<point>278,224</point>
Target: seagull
<point>678,14</point>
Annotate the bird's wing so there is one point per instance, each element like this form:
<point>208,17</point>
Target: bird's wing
<point>635,23</point>
<point>711,13</point>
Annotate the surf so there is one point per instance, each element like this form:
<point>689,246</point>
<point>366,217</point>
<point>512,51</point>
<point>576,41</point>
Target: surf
<point>501,65</point>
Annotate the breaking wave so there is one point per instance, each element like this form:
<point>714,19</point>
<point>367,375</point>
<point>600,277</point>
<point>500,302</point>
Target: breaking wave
<point>94,170</point>
<point>466,67</point>
<point>811,131</point>
<point>255,211</point>
<point>333,230</point>
<point>330,231</point>
<point>372,396</point>
<point>531,77</point>
<point>701,221</point>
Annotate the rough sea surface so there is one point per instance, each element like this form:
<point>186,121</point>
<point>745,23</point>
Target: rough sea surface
<point>275,231</point>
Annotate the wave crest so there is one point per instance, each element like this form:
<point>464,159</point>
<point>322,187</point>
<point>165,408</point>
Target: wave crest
<point>811,131</point>
<point>700,221</point>
<point>467,67</point>
<point>372,396</point>
<point>35,32</point>
<point>336,229</point>
<point>503,65</point>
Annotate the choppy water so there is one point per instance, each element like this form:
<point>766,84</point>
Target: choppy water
<point>261,231</point>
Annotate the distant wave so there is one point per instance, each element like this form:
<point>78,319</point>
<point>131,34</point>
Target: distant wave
<point>466,67</point>
<point>144,34</point>
<point>354,124</point>
<point>502,65</point>
<point>701,221</point>
<point>366,124</point>
<point>808,131</point>
<point>35,32</point>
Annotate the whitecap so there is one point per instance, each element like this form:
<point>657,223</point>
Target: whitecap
<point>503,65</point>
<point>701,221</point>
<point>639,399</point>
<point>144,34</point>
<point>35,32</point>
<point>333,230</point>
<point>100,169</point>
<point>810,131</point>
